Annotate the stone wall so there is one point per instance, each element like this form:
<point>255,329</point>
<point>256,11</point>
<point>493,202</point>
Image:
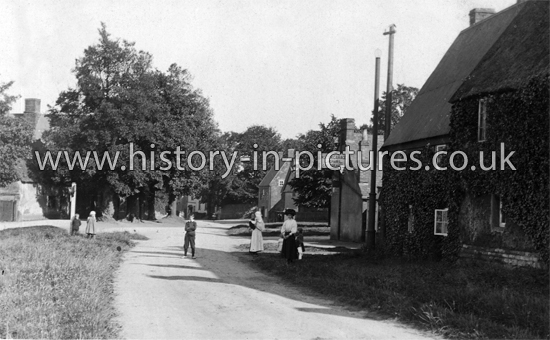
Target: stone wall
<point>511,257</point>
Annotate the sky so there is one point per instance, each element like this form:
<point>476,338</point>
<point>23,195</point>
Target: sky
<point>284,64</point>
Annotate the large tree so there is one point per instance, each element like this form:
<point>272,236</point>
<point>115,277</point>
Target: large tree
<point>122,104</point>
<point>15,138</point>
<point>402,97</point>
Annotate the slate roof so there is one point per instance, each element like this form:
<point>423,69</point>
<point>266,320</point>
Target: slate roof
<point>429,114</point>
<point>266,181</point>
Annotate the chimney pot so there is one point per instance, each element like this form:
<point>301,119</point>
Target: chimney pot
<point>478,14</point>
<point>291,153</point>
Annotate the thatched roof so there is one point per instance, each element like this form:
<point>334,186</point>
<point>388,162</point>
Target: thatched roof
<point>521,53</point>
<point>428,116</point>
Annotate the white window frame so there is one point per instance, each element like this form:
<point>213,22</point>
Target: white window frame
<point>281,182</point>
<point>496,220</point>
<point>501,215</point>
<point>482,120</point>
<point>410,222</point>
<point>444,222</point>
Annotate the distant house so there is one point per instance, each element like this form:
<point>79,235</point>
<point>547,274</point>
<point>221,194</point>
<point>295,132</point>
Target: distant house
<point>188,205</point>
<point>351,188</point>
<point>490,91</point>
<point>274,195</point>
<point>25,199</point>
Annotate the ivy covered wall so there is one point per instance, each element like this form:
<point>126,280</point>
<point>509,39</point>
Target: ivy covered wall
<point>520,120</point>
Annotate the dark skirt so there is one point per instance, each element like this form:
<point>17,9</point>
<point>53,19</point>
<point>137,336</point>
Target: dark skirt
<point>290,251</point>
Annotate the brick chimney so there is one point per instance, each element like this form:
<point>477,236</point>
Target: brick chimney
<point>478,14</point>
<point>32,105</point>
<point>32,110</point>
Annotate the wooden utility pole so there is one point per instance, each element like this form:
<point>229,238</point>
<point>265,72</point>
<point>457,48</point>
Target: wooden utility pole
<point>370,244</point>
<point>387,126</point>
<point>389,88</point>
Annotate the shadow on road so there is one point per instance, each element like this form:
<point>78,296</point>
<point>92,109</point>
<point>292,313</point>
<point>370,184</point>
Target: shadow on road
<point>233,268</point>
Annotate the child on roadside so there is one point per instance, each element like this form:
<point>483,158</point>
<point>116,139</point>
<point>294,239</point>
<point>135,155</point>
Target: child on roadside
<point>300,243</point>
<point>75,224</point>
<point>90,225</point>
<point>190,227</point>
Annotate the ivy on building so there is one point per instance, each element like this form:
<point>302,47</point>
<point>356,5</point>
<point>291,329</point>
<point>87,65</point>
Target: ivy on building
<point>517,118</point>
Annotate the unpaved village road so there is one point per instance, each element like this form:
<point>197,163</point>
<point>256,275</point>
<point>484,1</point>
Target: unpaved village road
<point>160,295</point>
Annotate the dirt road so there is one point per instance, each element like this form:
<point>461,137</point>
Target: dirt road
<point>161,295</point>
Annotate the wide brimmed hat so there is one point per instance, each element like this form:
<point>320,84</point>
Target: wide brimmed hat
<point>290,212</point>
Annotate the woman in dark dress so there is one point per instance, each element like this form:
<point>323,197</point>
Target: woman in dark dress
<point>288,233</point>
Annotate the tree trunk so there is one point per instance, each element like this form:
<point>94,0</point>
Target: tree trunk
<point>173,201</point>
<point>140,204</point>
<point>151,203</point>
<point>107,206</point>
<point>131,207</point>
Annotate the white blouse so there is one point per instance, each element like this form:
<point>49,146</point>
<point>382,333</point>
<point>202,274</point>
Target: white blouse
<point>289,225</point>
<point>259,223</point>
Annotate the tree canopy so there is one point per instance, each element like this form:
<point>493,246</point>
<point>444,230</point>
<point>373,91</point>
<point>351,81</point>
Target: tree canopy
<point>15,138</point>
<point>122,104</point>
<point>244,186</point>
<point>402,98</point>
<point>313,187</point>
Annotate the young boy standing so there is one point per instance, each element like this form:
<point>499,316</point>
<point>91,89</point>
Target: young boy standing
<point>75,224</point>
<point>190,227</point>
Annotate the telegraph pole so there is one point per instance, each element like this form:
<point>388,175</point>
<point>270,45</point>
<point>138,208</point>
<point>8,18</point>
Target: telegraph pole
<point>387,126</point>
<point>389,88</point>
<point>372,195</point>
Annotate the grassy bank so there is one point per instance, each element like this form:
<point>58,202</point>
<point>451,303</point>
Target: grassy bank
<point>57,286</point>
<point>462,301</point>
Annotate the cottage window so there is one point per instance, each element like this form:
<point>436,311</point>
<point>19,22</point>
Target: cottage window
<point>498,218</point>
<point>411,219</point>
<point>439,159</point>
<point>441,222</point>
<point>502,216</point>
<point>482,120</point>
<point>281,182</point>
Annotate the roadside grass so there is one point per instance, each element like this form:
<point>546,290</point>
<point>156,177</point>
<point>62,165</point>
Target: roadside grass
<point>274,229</point>
<point>58,286</point>
<point>468,300</point>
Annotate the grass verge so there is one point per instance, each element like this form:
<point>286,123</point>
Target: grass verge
<point>57,286</point>
<point>459,301</point>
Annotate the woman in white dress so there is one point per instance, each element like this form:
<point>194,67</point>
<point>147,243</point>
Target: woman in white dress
<point>257,240</point>
<point>288,233</point>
